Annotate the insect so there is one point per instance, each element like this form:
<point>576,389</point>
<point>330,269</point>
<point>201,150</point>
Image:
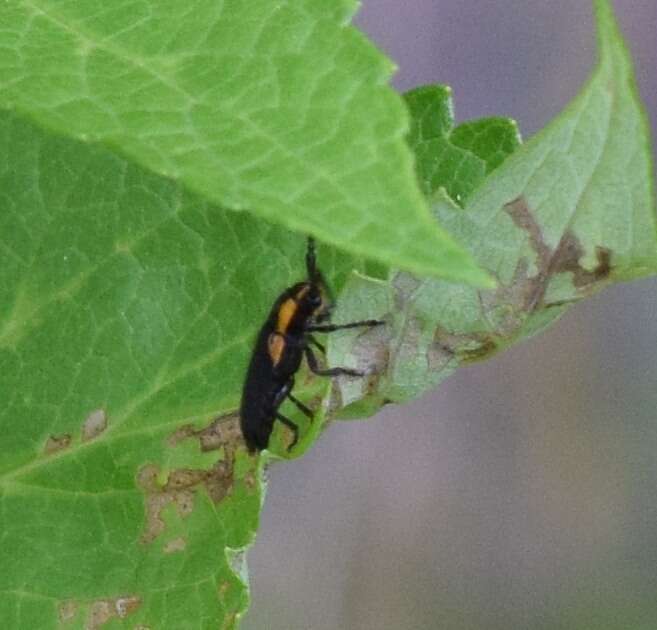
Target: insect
<point>284,339</point>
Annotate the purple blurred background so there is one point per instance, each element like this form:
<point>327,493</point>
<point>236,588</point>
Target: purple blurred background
<point>522,493</point>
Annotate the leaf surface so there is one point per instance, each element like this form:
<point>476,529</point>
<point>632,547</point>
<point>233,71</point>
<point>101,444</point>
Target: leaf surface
<point>128,315</point>
<point>456,159</point>
<point>278,108</point>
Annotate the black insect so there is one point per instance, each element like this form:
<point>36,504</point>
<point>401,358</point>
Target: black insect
<point>283,340</point>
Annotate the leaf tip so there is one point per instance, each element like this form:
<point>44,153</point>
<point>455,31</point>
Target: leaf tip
<point>608,30</point>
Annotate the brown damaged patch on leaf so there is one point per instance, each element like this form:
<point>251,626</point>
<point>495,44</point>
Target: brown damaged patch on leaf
<point>179,491</point>
<point>157,499</point>
<point>230,619</point>
<point>335,402</point>
<point>370,348</point>
<point>510,304</point>
<point>94,424</point>
<point>466,347</point>
<point>447,346</point>
<point>56,443</point>
<point>175,545</point>
<point>486,348</point>
<point>521,215</point>
<point>565,258</point>
<point>439,354</point>
<point>218,481</point>
<point>506,309</point>
<point>250,480</point>
<point>68,610</point>
<point>104,610</point>
<point>223,432</point>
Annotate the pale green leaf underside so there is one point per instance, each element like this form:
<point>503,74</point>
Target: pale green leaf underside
<point>565,215</point>
<point>277,108</point>
<point>588,174</point>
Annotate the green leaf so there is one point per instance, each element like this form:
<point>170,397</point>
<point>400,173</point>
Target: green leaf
<point>567,214</point>
<point>456,159</point>
<point>276,108</point>
<point>490,139</point>
<point>130,305</point>
<point>128,313</point>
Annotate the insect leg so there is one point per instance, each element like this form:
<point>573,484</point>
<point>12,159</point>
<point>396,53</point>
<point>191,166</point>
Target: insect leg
<point>290,425</point>
<point>326,328</point>
<point>286,392</point>
<point>337,371</point>
<point>316,343</point>
<point>302,408</point>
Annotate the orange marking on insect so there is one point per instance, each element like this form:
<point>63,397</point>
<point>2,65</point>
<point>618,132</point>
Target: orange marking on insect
<point>275,347</point>
<point>288,309</point>
<point>285,314</point>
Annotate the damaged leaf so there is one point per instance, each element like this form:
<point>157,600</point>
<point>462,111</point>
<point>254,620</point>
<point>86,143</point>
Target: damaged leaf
<point>131,309</point>
<point>563,216</point>
<point>132,303</point>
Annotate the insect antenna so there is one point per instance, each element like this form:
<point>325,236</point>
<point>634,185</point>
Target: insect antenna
<point>316,278</point>
<point>314,275</point>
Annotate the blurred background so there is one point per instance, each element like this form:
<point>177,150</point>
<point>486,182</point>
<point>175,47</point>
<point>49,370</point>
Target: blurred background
<point>522,493</point>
